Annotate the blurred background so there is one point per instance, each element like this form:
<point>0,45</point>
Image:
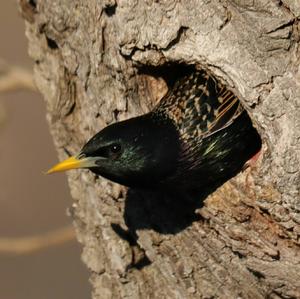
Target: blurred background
<point>39,256</point>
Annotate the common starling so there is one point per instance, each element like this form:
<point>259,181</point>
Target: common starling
<point>197,135</point>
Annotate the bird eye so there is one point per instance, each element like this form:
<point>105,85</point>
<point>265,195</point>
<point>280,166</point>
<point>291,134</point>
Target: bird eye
<point>115,148</point>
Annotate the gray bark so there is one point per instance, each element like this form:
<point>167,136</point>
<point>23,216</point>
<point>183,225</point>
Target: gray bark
<point>246,243</point>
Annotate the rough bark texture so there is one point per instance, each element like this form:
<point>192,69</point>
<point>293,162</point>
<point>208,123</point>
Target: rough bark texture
<point>92,63</point>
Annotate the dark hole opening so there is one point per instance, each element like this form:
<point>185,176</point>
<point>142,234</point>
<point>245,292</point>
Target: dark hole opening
<point>51,43</point>
<point>171,202</point>
<point>172,72</point>
<point>110,10</point>
<point>146,209</point>
<point>169,72</point>
<point>33,3</point>
<point>248,141</point>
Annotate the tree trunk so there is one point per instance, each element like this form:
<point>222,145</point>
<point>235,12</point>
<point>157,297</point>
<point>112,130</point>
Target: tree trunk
<point>101,61</point>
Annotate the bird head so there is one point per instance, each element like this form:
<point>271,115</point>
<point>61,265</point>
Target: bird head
<point>138,152</point>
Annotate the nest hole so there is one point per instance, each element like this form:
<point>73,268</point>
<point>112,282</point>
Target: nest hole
<point>183,203</point>
<point>170,73</point>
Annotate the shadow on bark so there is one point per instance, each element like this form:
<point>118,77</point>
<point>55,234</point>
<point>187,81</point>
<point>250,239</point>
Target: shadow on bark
<point>163,212</point>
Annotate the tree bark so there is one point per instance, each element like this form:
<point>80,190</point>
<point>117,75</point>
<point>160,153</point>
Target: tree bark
<point>101,61</point>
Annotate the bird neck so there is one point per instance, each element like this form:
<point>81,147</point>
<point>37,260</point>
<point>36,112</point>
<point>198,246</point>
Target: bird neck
<point>155,144</point>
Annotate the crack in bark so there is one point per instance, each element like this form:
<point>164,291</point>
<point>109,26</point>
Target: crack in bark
<point>139,258</point>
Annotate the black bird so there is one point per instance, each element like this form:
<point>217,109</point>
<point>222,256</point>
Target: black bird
<point>198,135</point>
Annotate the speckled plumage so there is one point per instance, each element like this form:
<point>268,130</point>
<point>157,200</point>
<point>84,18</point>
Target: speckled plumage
<point>199,106</point>
<point>197,137</point>
<point>216,134</point>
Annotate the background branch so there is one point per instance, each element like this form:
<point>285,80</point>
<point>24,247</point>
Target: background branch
<point>15,77</point>
<point>30,244</point>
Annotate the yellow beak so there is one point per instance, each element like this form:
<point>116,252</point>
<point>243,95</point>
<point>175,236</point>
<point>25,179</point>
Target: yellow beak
<point>73,163</point>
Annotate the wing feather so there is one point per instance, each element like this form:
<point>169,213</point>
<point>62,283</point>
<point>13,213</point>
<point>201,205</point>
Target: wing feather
<point>199,105</point>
